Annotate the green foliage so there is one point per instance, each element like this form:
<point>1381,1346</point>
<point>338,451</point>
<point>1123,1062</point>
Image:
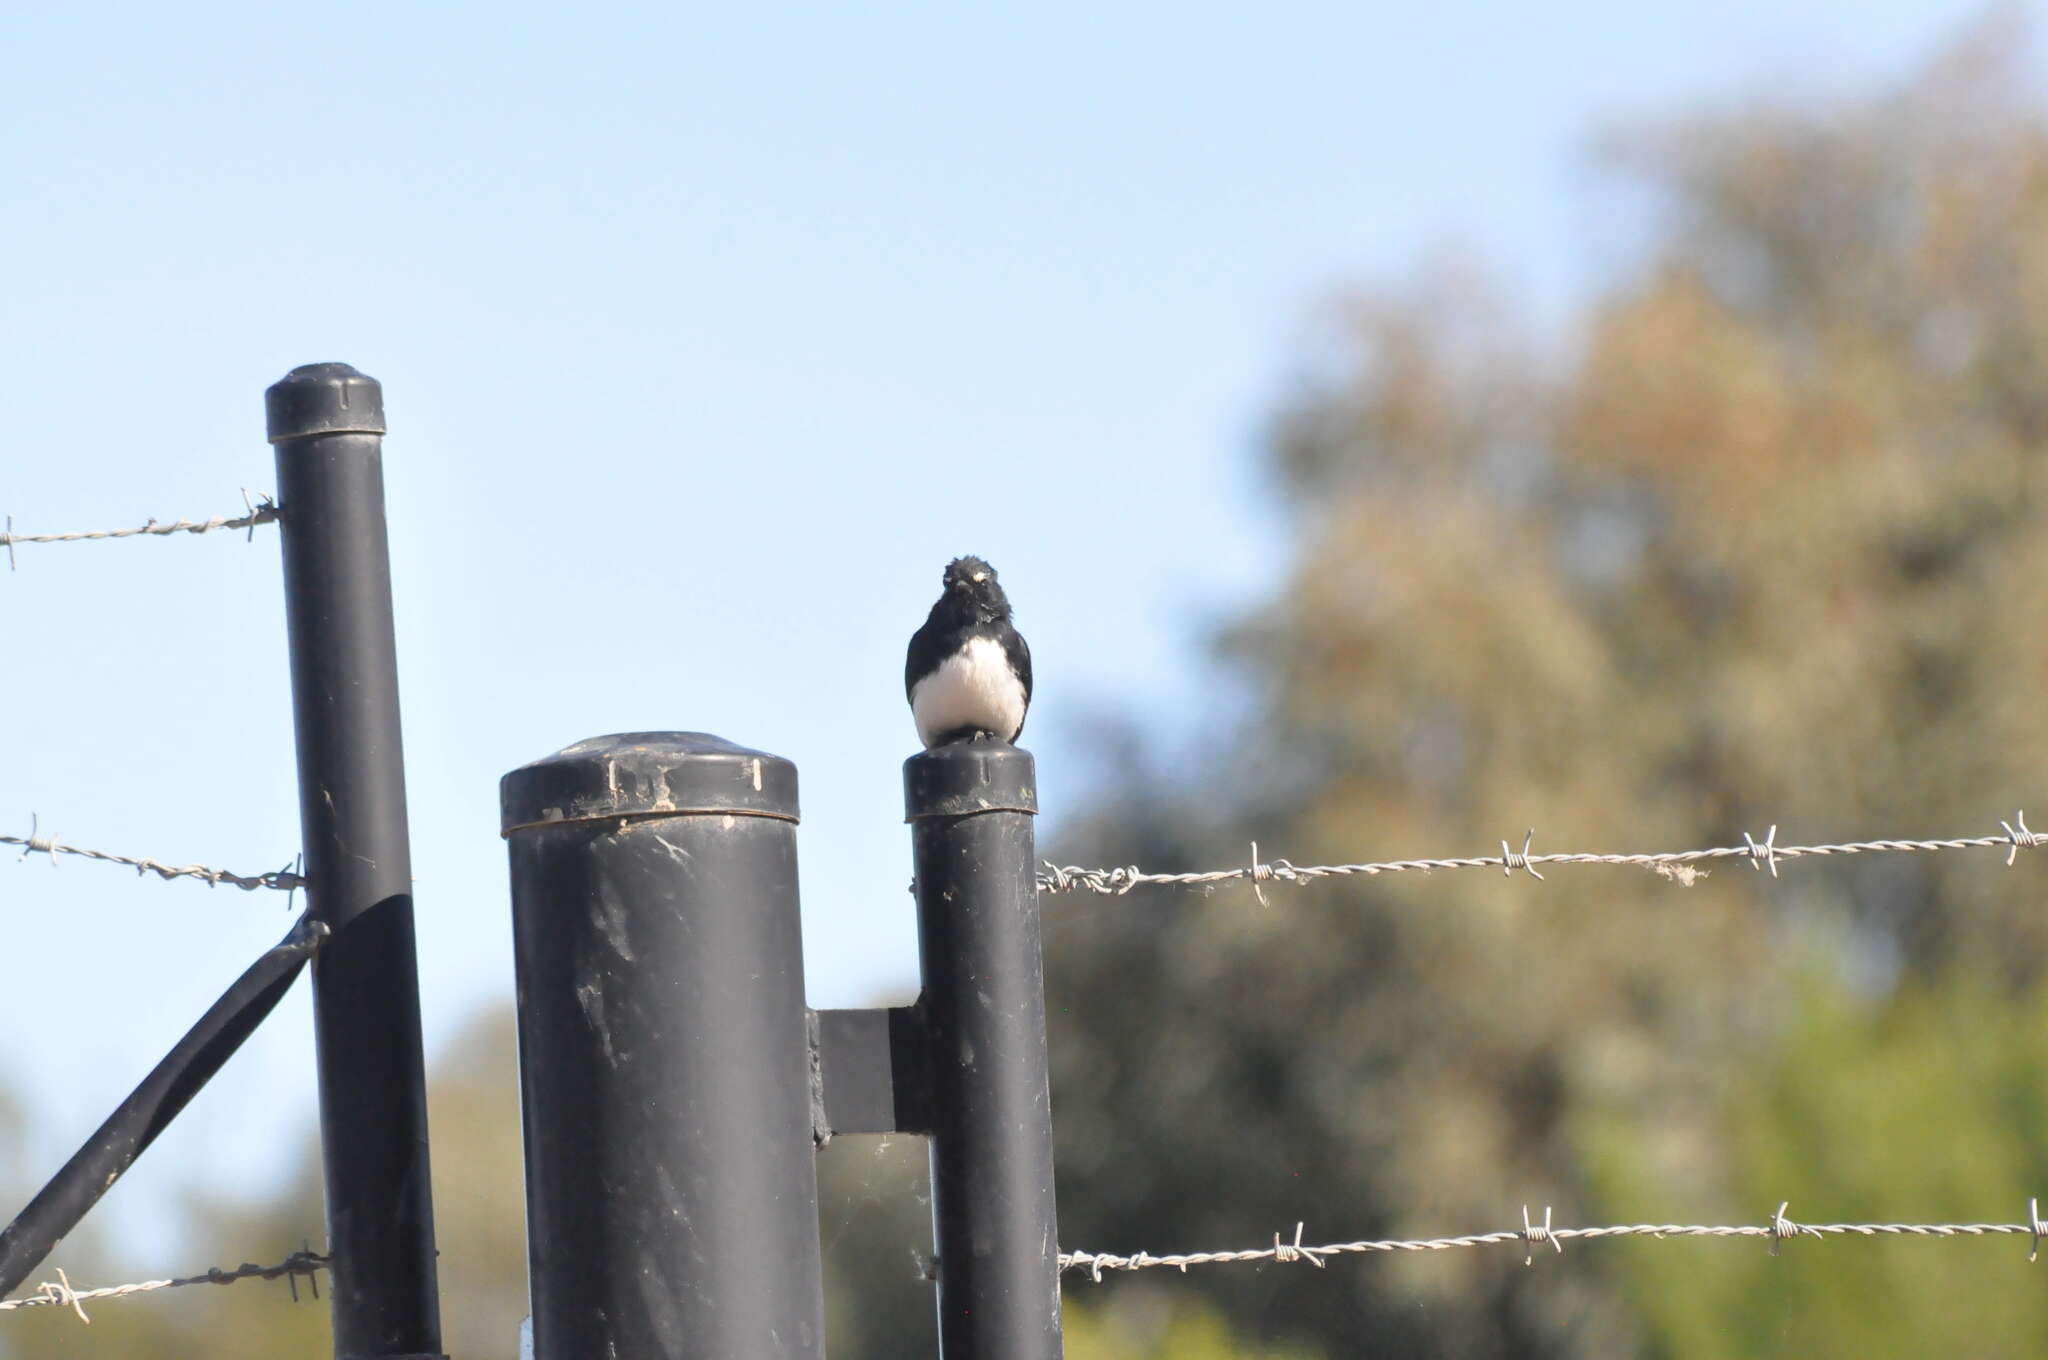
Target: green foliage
<point>1924,1110</point>
<point>1160,1332</point>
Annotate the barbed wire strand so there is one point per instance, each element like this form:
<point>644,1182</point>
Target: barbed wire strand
<point>1677,865</point>
<point>1533,1235</point>
<point>59,1293</point>
<point>2014,837</point>
<point>285,879</point>
<point>262,510</point>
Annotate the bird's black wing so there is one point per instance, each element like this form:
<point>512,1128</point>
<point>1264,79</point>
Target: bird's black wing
<point>1019,653</point>
<point>927,650</point>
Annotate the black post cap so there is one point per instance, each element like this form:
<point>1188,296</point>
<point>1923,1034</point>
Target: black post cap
<point>323,399</point>
<point>638,774</point>
<point>966,777</point>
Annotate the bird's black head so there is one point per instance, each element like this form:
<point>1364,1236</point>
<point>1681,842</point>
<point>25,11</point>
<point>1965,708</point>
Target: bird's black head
<point>971,585</point>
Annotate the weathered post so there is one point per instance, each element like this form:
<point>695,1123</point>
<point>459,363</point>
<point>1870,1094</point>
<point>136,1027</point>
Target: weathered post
<point>665,1064</point>
<point>327,421</point>
<point>970,806</point>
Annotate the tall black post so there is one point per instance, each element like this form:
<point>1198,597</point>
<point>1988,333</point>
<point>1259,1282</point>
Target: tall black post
<point>327,421</point>
<point>664,1056</point>
<point>970,806</point>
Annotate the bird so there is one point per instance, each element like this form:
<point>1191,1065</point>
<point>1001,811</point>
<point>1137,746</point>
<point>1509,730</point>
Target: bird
<point>968,674</point>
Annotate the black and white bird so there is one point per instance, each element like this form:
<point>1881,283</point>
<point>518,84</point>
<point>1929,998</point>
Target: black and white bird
<point>968,675</point>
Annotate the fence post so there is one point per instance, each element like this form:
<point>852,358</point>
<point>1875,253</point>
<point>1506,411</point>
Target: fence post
<point>970,806</point>
<point>327,421</point>
<point>664,1056</point>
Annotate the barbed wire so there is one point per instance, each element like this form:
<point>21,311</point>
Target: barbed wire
<point>1677,865</point>
<point>286,879</point>
<point>262,510</point>
<point>1533,1235</point>
<point>59,1293</point>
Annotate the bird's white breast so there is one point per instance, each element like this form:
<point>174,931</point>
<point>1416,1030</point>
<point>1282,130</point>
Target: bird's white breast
<point>973,688</point>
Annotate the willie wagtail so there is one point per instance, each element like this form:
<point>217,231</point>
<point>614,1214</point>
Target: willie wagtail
<point>968,675</point>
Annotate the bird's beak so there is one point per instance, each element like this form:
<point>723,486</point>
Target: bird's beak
<point>980,576</point>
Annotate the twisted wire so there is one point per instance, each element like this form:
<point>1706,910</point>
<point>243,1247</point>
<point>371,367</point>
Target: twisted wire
<point>1532,1235</point>
<point>1678,865</point>
<point>285,879</point>
<point>59,1293</point>
<point>263,510</point>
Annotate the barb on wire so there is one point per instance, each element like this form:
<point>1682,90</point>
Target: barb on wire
<point>60,1293</point>
<point>1532,1235</point>
<point>1675,864</point>
<point>38,843</point>
<point>262,510</point>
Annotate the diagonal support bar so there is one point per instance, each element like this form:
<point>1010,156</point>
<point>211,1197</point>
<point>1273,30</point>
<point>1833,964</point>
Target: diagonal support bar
<point>167,1089</point>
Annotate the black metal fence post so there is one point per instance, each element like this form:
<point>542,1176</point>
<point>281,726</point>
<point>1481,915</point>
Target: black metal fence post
<point>664,1057</point>
<point>327,421</point>
<point>971,806</point>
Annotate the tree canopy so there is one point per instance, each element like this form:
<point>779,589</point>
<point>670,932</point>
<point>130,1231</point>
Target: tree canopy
<point>1754,546</point>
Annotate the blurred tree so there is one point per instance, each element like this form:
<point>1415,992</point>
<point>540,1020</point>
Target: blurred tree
<point>875,1214</point>
<point>874,1207</point>
<point>1756,547</point>
<point>1755,550</point>
<point>1153,1330</point>
<point>1925,1108</point>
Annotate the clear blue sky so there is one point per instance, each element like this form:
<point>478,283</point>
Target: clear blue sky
<point>708,334</point>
